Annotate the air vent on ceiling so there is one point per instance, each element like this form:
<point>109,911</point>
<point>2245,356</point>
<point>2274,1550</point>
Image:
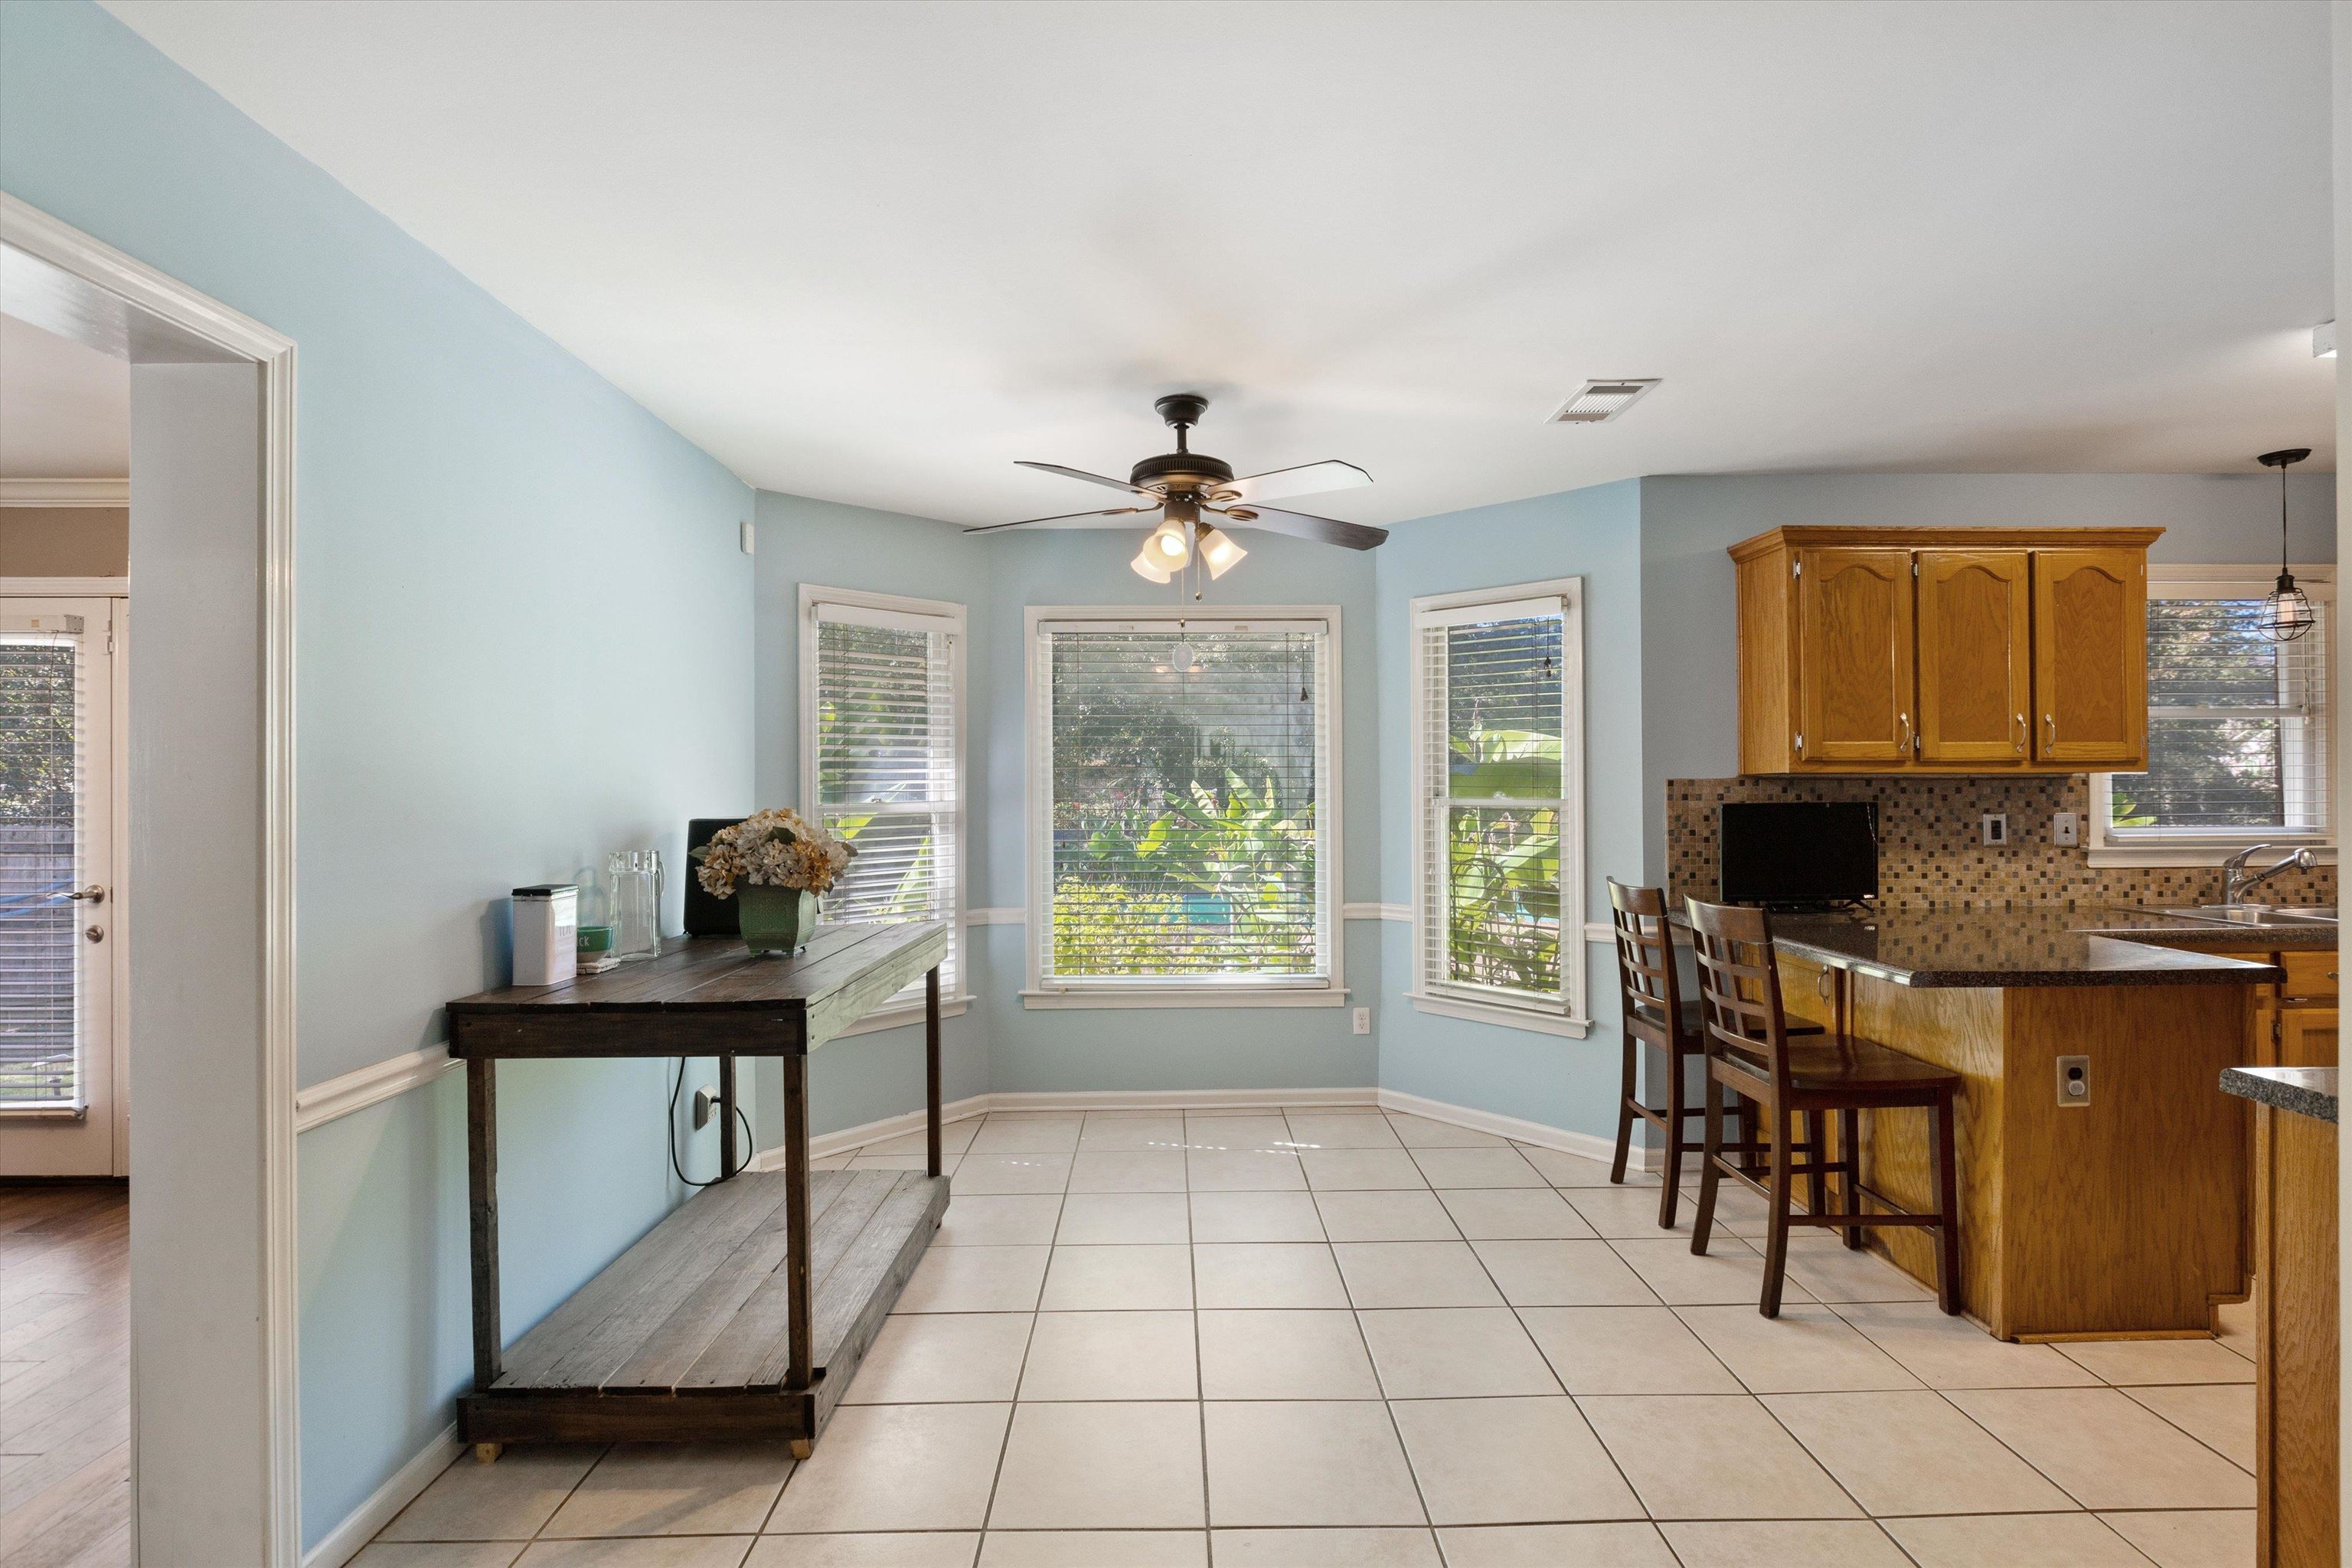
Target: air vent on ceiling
<point>1598,401</point>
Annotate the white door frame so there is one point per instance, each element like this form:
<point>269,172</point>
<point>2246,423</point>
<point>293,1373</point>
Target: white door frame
<point>69,250</point>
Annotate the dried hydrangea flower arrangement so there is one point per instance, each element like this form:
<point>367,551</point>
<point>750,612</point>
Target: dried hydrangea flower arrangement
<point>780,863</point>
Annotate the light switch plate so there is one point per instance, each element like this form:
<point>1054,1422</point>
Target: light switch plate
<point>1995,827</point>
<point>2066,830</point>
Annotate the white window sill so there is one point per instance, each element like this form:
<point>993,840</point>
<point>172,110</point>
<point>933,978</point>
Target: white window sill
<point>1506,1016</point>
<point>2185,852</point>
<point>899,1015</point>
<point>1203,996</point>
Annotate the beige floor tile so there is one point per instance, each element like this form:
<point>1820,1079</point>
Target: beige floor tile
<point>2043,1539</point>
<point>1101,1219</point>
<point>1422,1133</point>
<point>1341,1130</point>
<point>1713,1457</point>
<point>895,1466</point>
<point>1562,1274</point>
<point>1268,1274</point>
<point>1565,1170</point>
<point>1510,1461</point>
<point>439,1554</point>
<point>1256,1217</point>
<point>1011,1219</point>
<point>1415,1216</point>
<point>975,1280</point>
<point>1265,1130</point>
<point>1307,1462</point>
<point>942,1358</point>
<point>509,1500</point>
<point>1952,1353</point>
<point>1028,1135</point>
<point>984,1172</point>
<point>2189,1538</point>
<point>1119,1279</point>
<point>948,1162</point>
<point>1913,1453</point>
<point>1808,1349</point>
<point>955,1137</point>
<point>2136,1362</point>
<point>1829,1273</point>
<point>2106,1451</point>
<point>1454,1353</point>
<point>1127,1130</point>
<point>1100,1467</point>
<point>1095,1549</point>
<point>1729,1273</point>
<point>2218,1415</point>
<point>1478,1167</point>
<point>1736,1209</point>
<point>1284,1355</point>
<point>1396,1547</point>
<point>1625,1544</point>
<point>1625,1349</point>
<point>655,1551</point>
<point>1415,1274</point>
<point>1111,1356</point>
<point>1245,1170</point>
<point>1128,1171</point>
<point>1360,1170</point>
<point>1531,1213</point>
<point>2234,1325</point>
<point>676,1489</point>
<point>832,1162</point>
<point>927,1549</point>
<point>1627,1213</point>
<point>1793,1544</point>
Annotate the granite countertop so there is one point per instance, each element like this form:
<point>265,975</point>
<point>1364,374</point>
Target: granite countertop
<point>2306,1091</point>
<point>2180,931</point>
<point>2042,945</point>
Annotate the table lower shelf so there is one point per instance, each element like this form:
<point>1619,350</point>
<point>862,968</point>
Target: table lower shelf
<point>685,1337</point>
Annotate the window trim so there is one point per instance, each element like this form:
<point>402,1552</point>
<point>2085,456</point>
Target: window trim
<point>2249,582</point>
<point>1037,807</point>
<point>912,614</point>
<point>1571,1018</point>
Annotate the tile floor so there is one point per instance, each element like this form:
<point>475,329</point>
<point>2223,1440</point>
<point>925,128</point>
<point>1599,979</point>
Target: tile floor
<point>1361,1340</point>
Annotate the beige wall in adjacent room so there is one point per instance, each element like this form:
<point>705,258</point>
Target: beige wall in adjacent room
<point>65,541</point>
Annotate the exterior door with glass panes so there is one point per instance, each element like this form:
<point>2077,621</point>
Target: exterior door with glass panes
<point>59,1068</point>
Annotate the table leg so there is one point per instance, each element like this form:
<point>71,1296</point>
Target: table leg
<point>796,1218</point>
<point>730,1157</point>
<point>931,1063</point>
<point>482,1192</point>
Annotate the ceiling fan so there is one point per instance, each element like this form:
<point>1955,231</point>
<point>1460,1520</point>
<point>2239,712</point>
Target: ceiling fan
<point>1183,485</point>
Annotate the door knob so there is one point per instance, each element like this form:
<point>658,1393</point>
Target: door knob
<point>95,934</point>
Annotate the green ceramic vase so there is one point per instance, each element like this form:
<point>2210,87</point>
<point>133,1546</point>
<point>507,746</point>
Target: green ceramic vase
<point>774,920</point>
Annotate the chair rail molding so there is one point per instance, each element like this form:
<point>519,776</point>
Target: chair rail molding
<point>65,492</point>
<point>339,1096</point>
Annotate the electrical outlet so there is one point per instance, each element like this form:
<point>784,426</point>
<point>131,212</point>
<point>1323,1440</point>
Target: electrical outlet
<point>2066,830</point>
<point>2073,1081</point>
<point>706,1106</point>
<point>1995,827</point>
<point>1363,1020</point>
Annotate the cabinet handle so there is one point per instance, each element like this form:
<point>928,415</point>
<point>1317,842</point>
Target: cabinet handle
<point>2024,731</point>
<point>1907,731</point>
<point>2052,720</point>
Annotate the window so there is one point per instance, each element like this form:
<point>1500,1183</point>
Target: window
<point>1185,809</point>
<point>2240,747</point>
<point>881,711</point>
<point>1499,830</point>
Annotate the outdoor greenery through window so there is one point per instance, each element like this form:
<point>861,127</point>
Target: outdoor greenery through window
<point>1495,761</point>
<point>1184,825</point>
<point>39,760</point>
<point>2238,727</point>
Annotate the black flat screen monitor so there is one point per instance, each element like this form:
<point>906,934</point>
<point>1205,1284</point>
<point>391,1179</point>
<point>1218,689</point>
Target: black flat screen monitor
<point>1799,852</point>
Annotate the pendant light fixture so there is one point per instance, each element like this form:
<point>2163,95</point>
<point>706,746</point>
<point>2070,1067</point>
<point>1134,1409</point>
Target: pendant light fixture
<point>2289,614</point>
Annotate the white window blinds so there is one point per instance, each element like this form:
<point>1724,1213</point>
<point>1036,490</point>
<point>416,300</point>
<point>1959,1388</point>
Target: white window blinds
<point>881,683</point>
<point>42,782</point>
<point>1185,829</point>
<point>1497,758</point>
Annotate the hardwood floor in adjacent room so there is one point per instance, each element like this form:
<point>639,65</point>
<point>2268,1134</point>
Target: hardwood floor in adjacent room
<point>64,1375</point>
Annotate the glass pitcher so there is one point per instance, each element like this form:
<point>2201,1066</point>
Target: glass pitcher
<point>633,895</point>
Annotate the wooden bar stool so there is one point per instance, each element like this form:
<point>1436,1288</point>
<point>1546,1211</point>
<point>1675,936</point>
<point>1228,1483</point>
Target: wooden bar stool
<point>1651,1004</point>
<point>1746,1039</point>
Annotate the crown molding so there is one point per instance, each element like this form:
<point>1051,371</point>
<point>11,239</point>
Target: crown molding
<point>65,492</point>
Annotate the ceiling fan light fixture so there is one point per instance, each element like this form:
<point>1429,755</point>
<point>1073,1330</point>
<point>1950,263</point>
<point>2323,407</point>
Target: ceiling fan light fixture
<point>1218,552</point>
<point>1147,569</point>
<point>1167,546</point>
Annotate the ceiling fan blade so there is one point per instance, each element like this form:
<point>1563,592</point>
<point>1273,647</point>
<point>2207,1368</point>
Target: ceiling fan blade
<point>1065,520</point>
<point>1322,530</point>
<point>1307,480</point>
<point>1082,474</point>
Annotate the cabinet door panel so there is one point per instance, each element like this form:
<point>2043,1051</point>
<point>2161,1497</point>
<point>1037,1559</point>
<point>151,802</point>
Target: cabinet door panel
<point>1976,656</point>
<point>2307,1036</point>
<point>1854,656</point>
<point>2090,658</point>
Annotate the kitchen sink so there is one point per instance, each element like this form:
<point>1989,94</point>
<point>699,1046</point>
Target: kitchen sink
<point>2257,914</point>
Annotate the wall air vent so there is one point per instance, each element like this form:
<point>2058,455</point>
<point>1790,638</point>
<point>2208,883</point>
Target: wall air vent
<point>1597,402</point>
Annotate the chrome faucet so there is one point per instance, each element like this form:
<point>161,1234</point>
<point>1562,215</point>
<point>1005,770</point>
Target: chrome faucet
<point>2235,883</point>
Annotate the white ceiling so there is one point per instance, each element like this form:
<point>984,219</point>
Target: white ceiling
<point>874,253</point>
<point>64,410</point>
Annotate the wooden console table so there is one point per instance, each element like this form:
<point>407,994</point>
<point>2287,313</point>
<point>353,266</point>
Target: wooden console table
<point>745,1313</point>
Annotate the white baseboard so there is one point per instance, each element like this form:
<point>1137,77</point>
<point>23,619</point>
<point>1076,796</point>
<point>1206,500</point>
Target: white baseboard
<point>1512,1127</point>
<point>1181,1099</point>
<point>344,1543</point>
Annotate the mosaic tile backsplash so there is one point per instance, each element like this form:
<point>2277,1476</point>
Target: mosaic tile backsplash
<point>1930,856</point>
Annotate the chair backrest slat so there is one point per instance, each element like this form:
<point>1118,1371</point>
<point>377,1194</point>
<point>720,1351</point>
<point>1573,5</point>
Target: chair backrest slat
<point>1739,987</point>
<point>1647,985</point>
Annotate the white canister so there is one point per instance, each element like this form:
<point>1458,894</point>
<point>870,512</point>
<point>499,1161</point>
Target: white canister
<point>546,933</point>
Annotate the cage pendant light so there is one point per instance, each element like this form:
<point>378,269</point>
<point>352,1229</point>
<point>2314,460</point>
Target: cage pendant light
<point>2288,610</point>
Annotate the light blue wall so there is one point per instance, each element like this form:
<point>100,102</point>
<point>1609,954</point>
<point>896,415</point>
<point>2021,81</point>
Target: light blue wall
<point>523,637</point>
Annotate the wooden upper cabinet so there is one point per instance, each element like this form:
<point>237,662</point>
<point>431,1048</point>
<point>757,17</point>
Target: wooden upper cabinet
<point>2090,658</point>
<point>1854,647</point>
<point>1976,658</point>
